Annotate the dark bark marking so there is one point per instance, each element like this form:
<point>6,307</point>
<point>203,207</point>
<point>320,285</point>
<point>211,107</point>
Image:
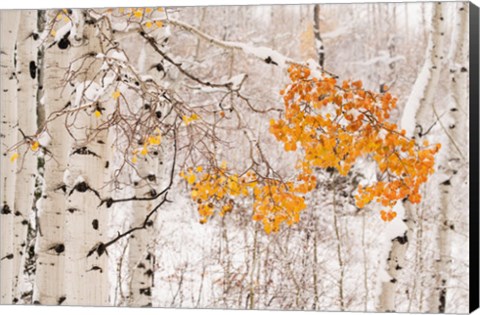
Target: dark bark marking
<point>85,151</point>
<point>6,209</point>
<point>8,257</point>
<point>269,60</point>
<point>99,248</point>
<point>109,202</point>
<point>401,239</point>
<point>94,268</point>
<point>33,69</point>
<point>58,248</point>
<point>152,177</point>
<point>64,42</point>
<point>61,300</point>
<point>145,291</point>
<point>72,210</point>
<point>446,183</point>
<point>61,187</point>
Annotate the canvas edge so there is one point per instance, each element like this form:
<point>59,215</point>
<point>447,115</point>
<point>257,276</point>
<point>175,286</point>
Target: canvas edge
<point>474,157</point>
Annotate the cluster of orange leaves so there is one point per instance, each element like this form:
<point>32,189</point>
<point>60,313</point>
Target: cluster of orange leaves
<point>274,202</point>
<point>337,124</point>
<point>331,126</point>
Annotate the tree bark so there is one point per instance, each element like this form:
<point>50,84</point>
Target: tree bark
<point>88,162</point>
<point>416,113</point>
<point>9,129</point>
<point>457,129</point>
<point>141,250</point>
<point>27,121</point>
<point>49,285</point>
<point>395,263</point>
<point>434,59</point>
<point>318,38</point>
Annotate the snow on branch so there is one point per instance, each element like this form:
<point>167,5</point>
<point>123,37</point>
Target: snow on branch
<point>266,54</point>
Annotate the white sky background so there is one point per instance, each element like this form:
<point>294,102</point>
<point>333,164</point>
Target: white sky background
<point>24,4</point>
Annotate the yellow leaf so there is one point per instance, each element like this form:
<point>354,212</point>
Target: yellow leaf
<point>154,140</point>
<point>134,159</point>
<point>159,23</point>
<point>191,179</point>
<point>148,24</point>
<point>138,13</point>
<point>160,10</point>
<point>267,227</point>
<point>199,169</point>
<point>148,10</point>
<point>35,145</point>
<point>98,113</point>
<point>14,157</point>
<point>144,151</point>
<point>116,94</point>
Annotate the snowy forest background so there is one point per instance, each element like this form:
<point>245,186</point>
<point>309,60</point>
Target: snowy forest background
<point>90,218</point>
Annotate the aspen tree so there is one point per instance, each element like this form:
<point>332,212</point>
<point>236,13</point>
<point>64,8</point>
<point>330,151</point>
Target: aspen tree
<point>27,49</point>
<point>452,157</point>
<point>49,287</point>
<point>416,111</point>
<point>86,221</point>
<point>9,129</point>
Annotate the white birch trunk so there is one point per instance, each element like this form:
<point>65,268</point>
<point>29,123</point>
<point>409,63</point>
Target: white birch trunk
<point>417,111</point>
<point>49,287</point>
<point>86,223</point>
<point>8,29</point>
<point>141,248</point>
<point>435,61</point>
<point>27,121</point>
<point>395,263</point>
<point>451,154</point>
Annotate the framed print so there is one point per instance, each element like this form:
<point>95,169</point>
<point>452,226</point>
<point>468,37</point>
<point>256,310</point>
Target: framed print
<point>305,157</point>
